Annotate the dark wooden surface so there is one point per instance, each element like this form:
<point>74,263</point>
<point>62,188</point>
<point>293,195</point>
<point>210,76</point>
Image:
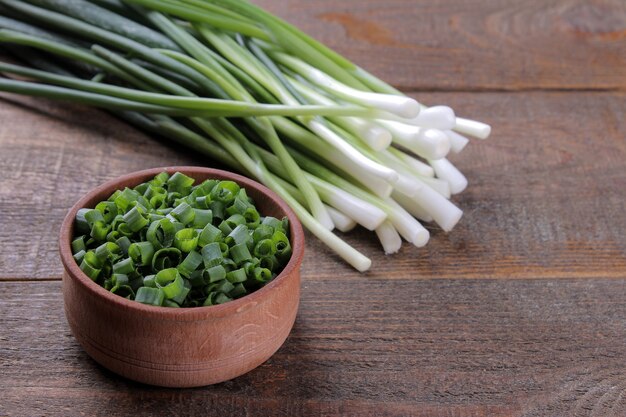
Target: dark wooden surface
<point>520,311</point>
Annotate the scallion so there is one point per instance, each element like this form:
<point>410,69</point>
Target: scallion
<point>339,145</point>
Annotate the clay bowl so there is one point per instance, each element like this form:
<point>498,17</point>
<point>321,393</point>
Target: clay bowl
<point>183,347</point>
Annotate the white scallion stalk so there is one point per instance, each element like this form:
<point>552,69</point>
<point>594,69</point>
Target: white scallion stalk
<point>409,228</point>
<point>444,213</point>
<point>449,173</point>
<point>406,182</point>
<point>376,137</point>
<point>342,222</point>
<point>411,206</point>
<point>373,135</point>
<point>362,163</point>
<point>357,157</point>
<point>418,167</point>
<point>440,186</point>
<point>436,117</point>
<point>389,237</point>
<point>427,143</point>
<point>355,258</point>
<point>306,139</point>
<point>473,128</point>
<point>361,211</point>
<point>364,213</point>
<point>402,106</point>
<point>457,142</point>
<point>296,193</point>
<point>359,261</point>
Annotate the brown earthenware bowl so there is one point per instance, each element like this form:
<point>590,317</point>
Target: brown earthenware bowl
<point>183,347</point>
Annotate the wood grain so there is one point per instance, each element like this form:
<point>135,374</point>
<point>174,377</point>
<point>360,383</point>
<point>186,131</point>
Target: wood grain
<point>545,199</point>
<point>519,312</point>
<point>473,44</point>
<point>360,346</point>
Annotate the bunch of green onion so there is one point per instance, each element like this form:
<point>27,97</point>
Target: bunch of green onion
<point>243,87</point>
<point>168,242</point>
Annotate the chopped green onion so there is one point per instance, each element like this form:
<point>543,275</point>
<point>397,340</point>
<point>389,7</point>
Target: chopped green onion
<point>125,266</point>
<point>78,244</point>
<point>202,218</point>
<point>240,253</point>
<point>190,263</point>
<point>186,240</point>
<point>91,265</point>
<point>170,282</point>
<point>79,256</point>
<point>238,291</point>
<point>184,213</point>
<point>179,183</point>
<point>108,210</point>
<point>151,296</point>
<point>166,258</point>
<point>264,248</point>
<point>142,258</point>
<point>239,235</point>
<point>215,273</point>
<point>262,275</point>
<point>108,251</point>
<point>212,255</point>
<point>161,233</point>
<point>238,275</point>
<point>135,219</point>
<point>124,244</point>
<point>141,253</point>
<point>209,234</point>
<point>80,223</point>
<point>148,281</point>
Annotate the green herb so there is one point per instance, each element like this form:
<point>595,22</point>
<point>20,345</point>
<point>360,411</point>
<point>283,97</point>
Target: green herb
<point>340,146</point>
<point>161,262</point>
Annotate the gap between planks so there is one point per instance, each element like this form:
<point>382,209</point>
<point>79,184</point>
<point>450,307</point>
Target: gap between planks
<point>510,90</point>
<point>365,278</point>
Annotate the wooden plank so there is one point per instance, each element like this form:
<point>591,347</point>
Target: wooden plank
<point>359,347</point>
<point>473,44</point>
<point>545,198</point>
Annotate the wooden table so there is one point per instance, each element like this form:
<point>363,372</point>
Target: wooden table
<point>520,311</point>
